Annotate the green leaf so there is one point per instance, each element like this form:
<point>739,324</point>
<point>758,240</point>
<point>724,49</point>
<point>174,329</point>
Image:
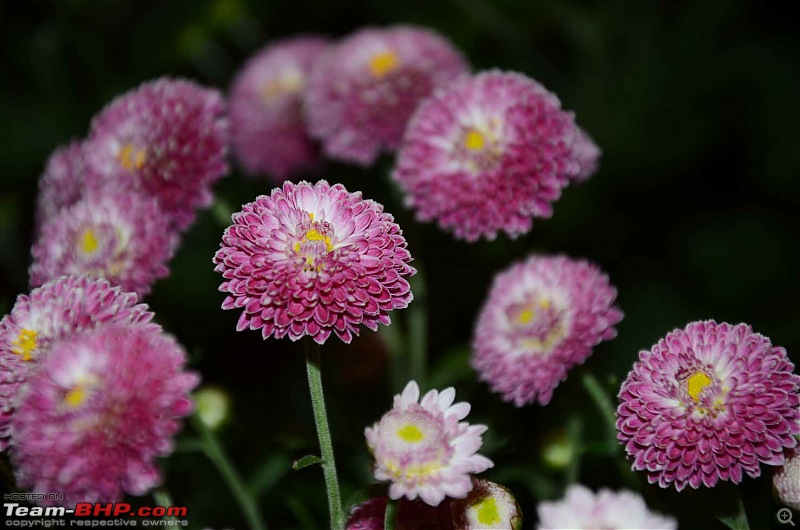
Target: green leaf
<point>308,460</point>
<point>271,471</point>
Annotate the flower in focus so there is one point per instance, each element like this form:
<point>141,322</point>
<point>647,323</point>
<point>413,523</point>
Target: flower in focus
<point>707,403</point>
<point>268,130</point>
<point>313,260</point>
<point>57,309</point>
<point>102,406</point>
<point>362,92</point>
<point>488,153</point>
<point>61,184</point>
<point>424,449</point>
<point>582,509</point>
<point>124,237</point>
<point>167,139</point>
<point>542,317</point>
<point>787,481</point>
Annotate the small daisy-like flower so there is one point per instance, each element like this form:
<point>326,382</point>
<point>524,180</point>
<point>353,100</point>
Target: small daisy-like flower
<point>313,260</point>
<point>61,184</point>
<point>362,92</point>
<point>787,481</point>
<point>167,139</point>
<point>97,412</point>
<point>708,403</point>
<point>124,237</point>
<point>582,509</point>
<point>424,449</point>
<point>57,309</point>
<point>268,128</point>
<point>542,317</point>
<point>488,506</point>
<point>488,153</point>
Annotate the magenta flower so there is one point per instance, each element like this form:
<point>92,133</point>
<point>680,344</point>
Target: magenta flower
<point>708,403</point>
<point>312,260</point>
<point>424,449</point>
<point>787,481</point>
<point>268,129</point>
<point>409,515</point>
<point>98,411</point>
<point>61,184</point>
<point>488,153</point>
<point>57,309</point>
<point>168,139</point>
<point>361,93</point>
<point>582,509</point>
<point>542,317</point>
<point>124,237</point>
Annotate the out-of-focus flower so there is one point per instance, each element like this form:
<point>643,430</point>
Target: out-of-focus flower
<point>123,237</point>
<point>424,449</point>
<point>57,309</point>
<point>268,129</point>
<point>488,506</point>
<point>542,317</point>
<point>61,184</point>
<point>213,406</point>
<point>488,153</point>
<point>707,403</point>
<point>313,260</point>
<point>787,481</point>
<point>362,92</point>
<point>98,411</point>
<point>167,139</point>
<point>582,509</point>
<point>588,155</point>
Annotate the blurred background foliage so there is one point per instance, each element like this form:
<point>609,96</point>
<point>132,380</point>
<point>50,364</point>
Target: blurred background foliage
<point>694,214</point>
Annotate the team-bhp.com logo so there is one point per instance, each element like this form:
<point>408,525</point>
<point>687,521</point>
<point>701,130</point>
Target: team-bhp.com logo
<point>98,509</point>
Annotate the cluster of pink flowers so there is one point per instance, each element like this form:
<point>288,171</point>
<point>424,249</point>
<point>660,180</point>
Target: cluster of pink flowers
<point>112,206</point>
<point>72,416</point>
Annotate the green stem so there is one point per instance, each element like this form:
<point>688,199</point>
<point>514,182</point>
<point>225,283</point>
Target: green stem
<point>418,331</point>
<point>737,521</point>
<point>161,497</point>
<point>604,404</point>
<point>215,453</point>
<point>324,434</point>
<point>390,516</point>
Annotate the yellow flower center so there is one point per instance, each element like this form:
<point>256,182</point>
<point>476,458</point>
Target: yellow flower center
<point>132,158</point>
<point>529,312</point>
<point>411,434</point>
<point>487,511</point>
<point>382,63</point>
<point>696,383</point>
<point>89,243</point>
<point>25,343</point>
<point>474,140</point>
<point>314,235</point>
<point>75,396</point>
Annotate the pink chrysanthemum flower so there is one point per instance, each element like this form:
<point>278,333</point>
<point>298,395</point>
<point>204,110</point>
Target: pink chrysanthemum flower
<point>312,260</point>
<point>424,449</point>
<point>542,317</point>
<point>168,139</point>
<point>268,128</point>
<point>57,309</point>
<point>61,184</point>
<point>97,412</point>
<point>488,153</point>
<point>582,509</point>
<point>787,481</point>
<point>362,92</point>
<point>708,403</point>
<point>124,237</point>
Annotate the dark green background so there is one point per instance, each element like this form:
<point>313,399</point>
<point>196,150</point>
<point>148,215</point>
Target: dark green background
<point>694,212</point>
